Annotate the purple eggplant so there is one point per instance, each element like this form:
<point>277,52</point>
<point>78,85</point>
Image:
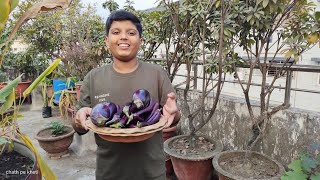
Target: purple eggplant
<point>154,109</point>
<point>102,113</point>
<point>116,117</point>
<point>141,98</point>
<point>154,118</point>
<point>126,110</point>
<point>129,108</point>
<point>132,126</point>
<point>121,124</point>
<point>145,112</point>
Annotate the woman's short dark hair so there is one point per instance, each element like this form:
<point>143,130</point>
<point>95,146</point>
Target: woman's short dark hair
<point>122,15</point>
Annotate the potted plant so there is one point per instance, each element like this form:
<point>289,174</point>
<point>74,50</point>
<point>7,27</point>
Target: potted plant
<point>191,154</point>
<point>56,138</point>
<point>46,92</point>
<point>11,138</point>
<point>10,134</point>
<point>265,30</point>
<point>67,102</point>
<point>307,166</point>
<point>13,153</point>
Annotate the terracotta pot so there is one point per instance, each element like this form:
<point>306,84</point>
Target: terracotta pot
<point>225,175</point>
<point>55,145</point>
<point>187,167</point>
<point>169,166</point>
<point>21,87</point>
<point>168,132</point>
<point>34,173</point>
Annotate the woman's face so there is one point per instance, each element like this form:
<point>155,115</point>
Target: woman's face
<point>123,40</point>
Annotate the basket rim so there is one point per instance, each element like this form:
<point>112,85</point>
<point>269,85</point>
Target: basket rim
<point>127,131</point>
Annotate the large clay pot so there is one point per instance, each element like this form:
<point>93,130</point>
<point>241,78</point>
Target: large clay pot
<point>21,87</point>
<point>168,132</point>
<point>225,175</point>
<point>190,167</point>
<point>55,145</point>
<point>34,173</point>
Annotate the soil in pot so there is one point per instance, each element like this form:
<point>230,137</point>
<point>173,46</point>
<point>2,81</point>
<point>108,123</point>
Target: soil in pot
<point>14,166</point>
<point>182,146</point>
<point>47,134</point>
<point>241,164</point>
<point>250,167</point>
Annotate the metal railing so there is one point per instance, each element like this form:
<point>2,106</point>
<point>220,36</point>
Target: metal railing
<point>289,70</point>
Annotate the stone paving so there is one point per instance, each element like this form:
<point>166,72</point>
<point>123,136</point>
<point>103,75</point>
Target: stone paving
<point>79,165</point>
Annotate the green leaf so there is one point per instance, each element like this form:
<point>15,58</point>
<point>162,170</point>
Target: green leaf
<point>227,33</point>
<point>5,92</point>
<point>5,10</point>
<point>41,77</point>
<point>296,166</point>
<point>315,176</point>
<point>288,54</point>
<point>296,57</point>
<point>3,141</point>
<point>252,21</point>
<point>9,101</point>
<point>308,163</point>
<point>265,3</point>
<point>259,1</point>
<point>44,168</point>
<point>13,4</point>
<point>317,15</point>
<point>249,17</point>
<point>292,175</point>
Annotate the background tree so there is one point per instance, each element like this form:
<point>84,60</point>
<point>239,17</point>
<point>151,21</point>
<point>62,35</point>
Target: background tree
<point>288,23</point>
<point>110,5</point>
<point>63,32</point>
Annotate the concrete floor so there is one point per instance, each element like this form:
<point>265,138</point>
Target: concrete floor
<point>79,165</point>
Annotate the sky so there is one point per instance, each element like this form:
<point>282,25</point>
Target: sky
<point>138,5</point>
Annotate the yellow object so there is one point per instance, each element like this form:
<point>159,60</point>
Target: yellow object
<point>4,15</point>
<point>44,168</point>
<point>313,38</point>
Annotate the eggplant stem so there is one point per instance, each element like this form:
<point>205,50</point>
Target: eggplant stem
<point>117,125</point>
<point>130,118</point>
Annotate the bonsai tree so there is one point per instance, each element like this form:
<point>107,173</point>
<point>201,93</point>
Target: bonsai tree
<point>267,30</point>
<point>202,40</point>
<point>7,94</point>
<point>201,32</point>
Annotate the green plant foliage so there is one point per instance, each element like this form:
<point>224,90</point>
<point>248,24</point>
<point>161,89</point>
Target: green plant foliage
<point>57,128</point>
<point>306,167</point>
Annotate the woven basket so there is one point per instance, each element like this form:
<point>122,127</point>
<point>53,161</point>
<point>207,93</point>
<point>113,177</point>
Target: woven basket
<point>127,134</point>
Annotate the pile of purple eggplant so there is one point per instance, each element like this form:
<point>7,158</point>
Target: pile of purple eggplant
<point>141,111</point>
